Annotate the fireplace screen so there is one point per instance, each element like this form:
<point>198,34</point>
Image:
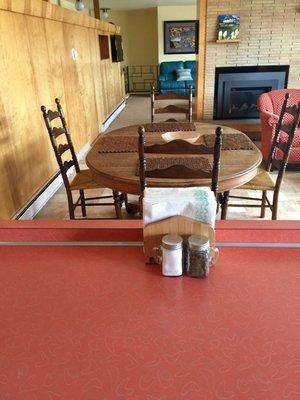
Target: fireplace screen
<point>237,89</point>
<point>243,101</point>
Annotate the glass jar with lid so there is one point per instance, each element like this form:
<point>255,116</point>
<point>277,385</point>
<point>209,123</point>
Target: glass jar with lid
<point>171,255</point>
<point>201,256</point>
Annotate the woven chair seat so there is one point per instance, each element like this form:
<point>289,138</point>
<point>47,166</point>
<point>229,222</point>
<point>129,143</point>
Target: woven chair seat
<point>84,180</point>
<point>262,181</point>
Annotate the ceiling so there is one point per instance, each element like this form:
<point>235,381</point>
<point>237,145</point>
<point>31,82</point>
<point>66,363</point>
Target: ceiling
<point>135,4</point>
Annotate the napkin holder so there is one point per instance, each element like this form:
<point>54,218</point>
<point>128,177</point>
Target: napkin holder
<point>178,224</point>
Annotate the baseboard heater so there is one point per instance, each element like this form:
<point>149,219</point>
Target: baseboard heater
<point>113,116</point>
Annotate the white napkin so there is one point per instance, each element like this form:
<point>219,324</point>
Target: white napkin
<point>198,203</point>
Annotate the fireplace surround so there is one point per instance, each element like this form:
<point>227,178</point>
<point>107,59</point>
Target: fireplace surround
<point>238,88</point>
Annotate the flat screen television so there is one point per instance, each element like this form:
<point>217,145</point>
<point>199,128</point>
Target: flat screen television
<point>116,48</point>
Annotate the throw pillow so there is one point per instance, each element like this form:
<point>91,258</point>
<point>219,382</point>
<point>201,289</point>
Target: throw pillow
<point>184,75</point>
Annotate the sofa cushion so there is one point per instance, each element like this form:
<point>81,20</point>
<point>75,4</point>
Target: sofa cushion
<point>170,67</point>
<point>190,65</point>
<point>183,75</point>
<point>167,77</point>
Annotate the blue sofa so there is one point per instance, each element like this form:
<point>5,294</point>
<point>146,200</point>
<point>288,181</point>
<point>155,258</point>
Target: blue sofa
<point>168,78</point>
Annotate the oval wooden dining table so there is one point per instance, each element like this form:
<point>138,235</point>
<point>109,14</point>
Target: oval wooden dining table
<point>118,170</point>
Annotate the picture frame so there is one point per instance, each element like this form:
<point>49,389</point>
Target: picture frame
<point>228,27</point>
<point>181,37</point>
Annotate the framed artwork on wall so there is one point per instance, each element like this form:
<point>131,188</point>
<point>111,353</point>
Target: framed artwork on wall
<point>229,27</point>
<point>181,37</point>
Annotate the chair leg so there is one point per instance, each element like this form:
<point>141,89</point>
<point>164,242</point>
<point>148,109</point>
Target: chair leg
<point>275,205</point>
<point>70,205</point>
<point>118,204</point>
<point>263,204</point>
<point>224,205</point>
<point>131,208</point>
<point>82,201</point>
<point>141,206</point>
<point>125,198</point>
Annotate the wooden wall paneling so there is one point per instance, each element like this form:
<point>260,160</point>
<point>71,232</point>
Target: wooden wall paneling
<point>78,81</point>
<point>97,78</point>
<point>44,92</point>
<point>18,94</point>
<point>93,47</point>
<point>105,64</point>
<point>6,128</point>
<point>54,36</point>
<point>37,65</point>
<point>74,91</point>
<point>88,83</point>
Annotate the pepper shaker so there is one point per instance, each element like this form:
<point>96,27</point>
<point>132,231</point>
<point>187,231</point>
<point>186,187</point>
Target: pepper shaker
<point>198,260</point>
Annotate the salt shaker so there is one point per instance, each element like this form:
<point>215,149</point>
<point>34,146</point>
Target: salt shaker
<point>172,255</point>
<point>200,256</point>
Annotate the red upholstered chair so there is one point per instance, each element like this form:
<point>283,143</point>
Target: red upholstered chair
<point>269,105</point>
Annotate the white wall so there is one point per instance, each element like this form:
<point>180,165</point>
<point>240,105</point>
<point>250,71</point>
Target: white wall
<point>139,34</point>
<point>173,13</point>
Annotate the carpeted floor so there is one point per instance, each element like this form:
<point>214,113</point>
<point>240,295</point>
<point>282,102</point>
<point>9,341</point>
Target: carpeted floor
<point>137,111</point>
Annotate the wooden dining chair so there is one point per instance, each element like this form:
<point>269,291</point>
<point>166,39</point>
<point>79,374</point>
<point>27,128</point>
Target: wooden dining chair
<point>176,170</point>
<point>66,158</point>
<point>172,108</point>
<point>279,153</point>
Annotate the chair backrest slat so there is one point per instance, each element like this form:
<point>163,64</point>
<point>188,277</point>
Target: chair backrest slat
<point>179,171</point>
<point>287,128</point>
<point>62,148</point>
<point>59,149</point>
<point>52,115</point>
<point>58,131</point>
<point>172,109</point>
<point>281,146</point>
<point>68,164</point>
<point>292,109</point>
<point>170,96</point>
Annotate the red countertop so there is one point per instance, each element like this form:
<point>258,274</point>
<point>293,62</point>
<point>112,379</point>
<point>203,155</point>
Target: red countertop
<point>98,323</point>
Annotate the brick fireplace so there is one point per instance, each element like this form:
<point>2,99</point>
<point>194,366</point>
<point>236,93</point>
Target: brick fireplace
<point>237,89</point>
<point>269,36</point>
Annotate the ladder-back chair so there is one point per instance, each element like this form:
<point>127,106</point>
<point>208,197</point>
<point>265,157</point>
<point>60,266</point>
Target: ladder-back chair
<point>176,171</point>
<point>278,157</point>
<point>66,158</point>
<point>172,108</point>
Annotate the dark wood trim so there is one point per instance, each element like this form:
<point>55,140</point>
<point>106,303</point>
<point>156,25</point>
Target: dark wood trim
<point>97,9</point>
<point>202,11</point>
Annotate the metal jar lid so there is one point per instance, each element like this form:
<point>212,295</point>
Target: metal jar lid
<point>171,242</point>
<point>197,242</point>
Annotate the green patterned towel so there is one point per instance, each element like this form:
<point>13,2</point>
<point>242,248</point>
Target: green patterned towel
<point>198,203</point>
